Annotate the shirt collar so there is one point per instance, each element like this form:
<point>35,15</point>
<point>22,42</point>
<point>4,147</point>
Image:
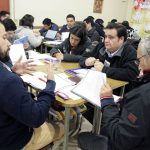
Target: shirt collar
<point>117,52</point>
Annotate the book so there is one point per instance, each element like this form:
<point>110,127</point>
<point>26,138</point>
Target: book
<point>22,40</point>
<point>89,87</point>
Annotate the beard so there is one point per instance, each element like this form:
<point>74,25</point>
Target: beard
<point>4,57</point>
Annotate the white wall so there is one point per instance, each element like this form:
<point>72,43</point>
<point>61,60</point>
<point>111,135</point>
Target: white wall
<point>58,9</point>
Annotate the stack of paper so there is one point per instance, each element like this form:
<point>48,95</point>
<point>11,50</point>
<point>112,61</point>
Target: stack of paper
<point>38,80</point>
<point>89,87</point>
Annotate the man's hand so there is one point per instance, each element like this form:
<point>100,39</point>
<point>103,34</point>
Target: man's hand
<point>90,61</point>
<point>106,91</point>
<point>59,56</point>
<point>25,67</point>
<point>98,65</point>
<point>50,72</point>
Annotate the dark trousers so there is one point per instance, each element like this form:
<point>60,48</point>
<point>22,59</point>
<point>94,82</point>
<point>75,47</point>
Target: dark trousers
<point>90,141</point>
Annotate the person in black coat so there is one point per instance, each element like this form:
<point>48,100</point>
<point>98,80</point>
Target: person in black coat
<point>74,46</point>
<point>115,57</point>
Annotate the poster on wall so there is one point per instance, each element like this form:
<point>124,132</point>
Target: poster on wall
<point>97,7</point>
<point>140,17</point>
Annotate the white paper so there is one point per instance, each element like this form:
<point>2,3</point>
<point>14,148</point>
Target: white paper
<point>35,81</point>
<point>56,42</point>
<point>64,35</point>
<point>67,91</point>
<point>90,86</point>
<point>16,51</point>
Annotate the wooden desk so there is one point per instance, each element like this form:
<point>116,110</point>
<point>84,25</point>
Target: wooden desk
<point>71,103</point>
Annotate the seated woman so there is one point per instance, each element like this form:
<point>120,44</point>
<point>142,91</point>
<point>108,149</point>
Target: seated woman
<point>25,29</point>
<point>74,46</point>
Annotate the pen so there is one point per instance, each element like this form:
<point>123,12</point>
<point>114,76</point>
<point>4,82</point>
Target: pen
<point>42,80</point>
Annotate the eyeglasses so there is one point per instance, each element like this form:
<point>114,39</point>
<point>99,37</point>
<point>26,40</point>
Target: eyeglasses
<point>138,60</point>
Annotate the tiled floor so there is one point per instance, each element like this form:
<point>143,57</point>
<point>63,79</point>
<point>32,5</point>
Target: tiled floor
<point>86,126</point>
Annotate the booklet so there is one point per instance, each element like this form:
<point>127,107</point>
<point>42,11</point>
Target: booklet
<point>89,87</point>
<point>22,40</point>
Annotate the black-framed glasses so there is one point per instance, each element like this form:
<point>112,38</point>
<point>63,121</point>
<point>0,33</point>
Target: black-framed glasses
<point>138,59</point>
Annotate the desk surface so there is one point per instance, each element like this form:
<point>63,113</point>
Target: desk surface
<point>72,103</point>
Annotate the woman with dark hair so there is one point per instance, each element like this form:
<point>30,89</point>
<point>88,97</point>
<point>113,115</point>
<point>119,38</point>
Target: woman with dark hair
<point>25,29</point>
<point>74,46</point>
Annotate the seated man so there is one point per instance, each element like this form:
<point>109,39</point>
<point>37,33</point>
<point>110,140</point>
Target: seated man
<point>70,23</point>
<point>91,31</point>
<point>116,58</point>
<point>19,113</point>
<point>48,25</point>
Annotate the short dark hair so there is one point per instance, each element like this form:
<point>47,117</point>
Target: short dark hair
<point>89,20</point>
<point>113,21</point>
<point>121,30</point>
<point>3,13</point>
<point>9,25</point>
<point>91,17</point>
<point>70,16</point>
<point>27,20</point>
<point>126,24</point>
<point>99,21</point>
<point>79,31</point>
<point>47,21</point>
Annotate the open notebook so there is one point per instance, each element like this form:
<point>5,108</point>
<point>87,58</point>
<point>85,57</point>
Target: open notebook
<point>89,87</point>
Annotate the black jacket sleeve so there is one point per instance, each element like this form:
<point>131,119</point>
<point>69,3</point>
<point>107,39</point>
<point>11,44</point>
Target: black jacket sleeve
<point>125,131</point>
<point>93,53</point>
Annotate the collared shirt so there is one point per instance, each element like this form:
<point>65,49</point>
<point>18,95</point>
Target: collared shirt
<point>4,65</point>
<point>117,52</point>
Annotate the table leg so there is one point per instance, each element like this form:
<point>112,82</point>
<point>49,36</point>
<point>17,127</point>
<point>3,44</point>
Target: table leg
<point>66,134</point>
<point>122,90</point>
<point>97,120</point>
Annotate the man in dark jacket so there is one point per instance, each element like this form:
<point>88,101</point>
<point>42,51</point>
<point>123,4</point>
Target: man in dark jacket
<point>91,31</point>
<point>130,128</point>
<point>19,113</point>
<point>116,58</point>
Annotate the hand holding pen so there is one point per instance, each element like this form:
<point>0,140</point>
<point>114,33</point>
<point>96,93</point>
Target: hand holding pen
<point>59,55</point>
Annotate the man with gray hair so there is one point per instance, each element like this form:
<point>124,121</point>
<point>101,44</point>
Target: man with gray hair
<point>130,128</point>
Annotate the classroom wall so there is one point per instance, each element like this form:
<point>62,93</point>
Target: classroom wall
<point>58,9</point>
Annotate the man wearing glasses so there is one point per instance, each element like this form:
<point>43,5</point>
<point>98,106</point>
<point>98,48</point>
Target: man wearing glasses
<point>130,128</point>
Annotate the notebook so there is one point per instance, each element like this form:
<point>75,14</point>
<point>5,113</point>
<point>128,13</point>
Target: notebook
<point>16,51</point>
<point>22,40</point>
<point>89,87</point>
<point>51,34</point>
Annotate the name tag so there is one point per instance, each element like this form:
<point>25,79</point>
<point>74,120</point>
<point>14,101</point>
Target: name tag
<point>107,63</point>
